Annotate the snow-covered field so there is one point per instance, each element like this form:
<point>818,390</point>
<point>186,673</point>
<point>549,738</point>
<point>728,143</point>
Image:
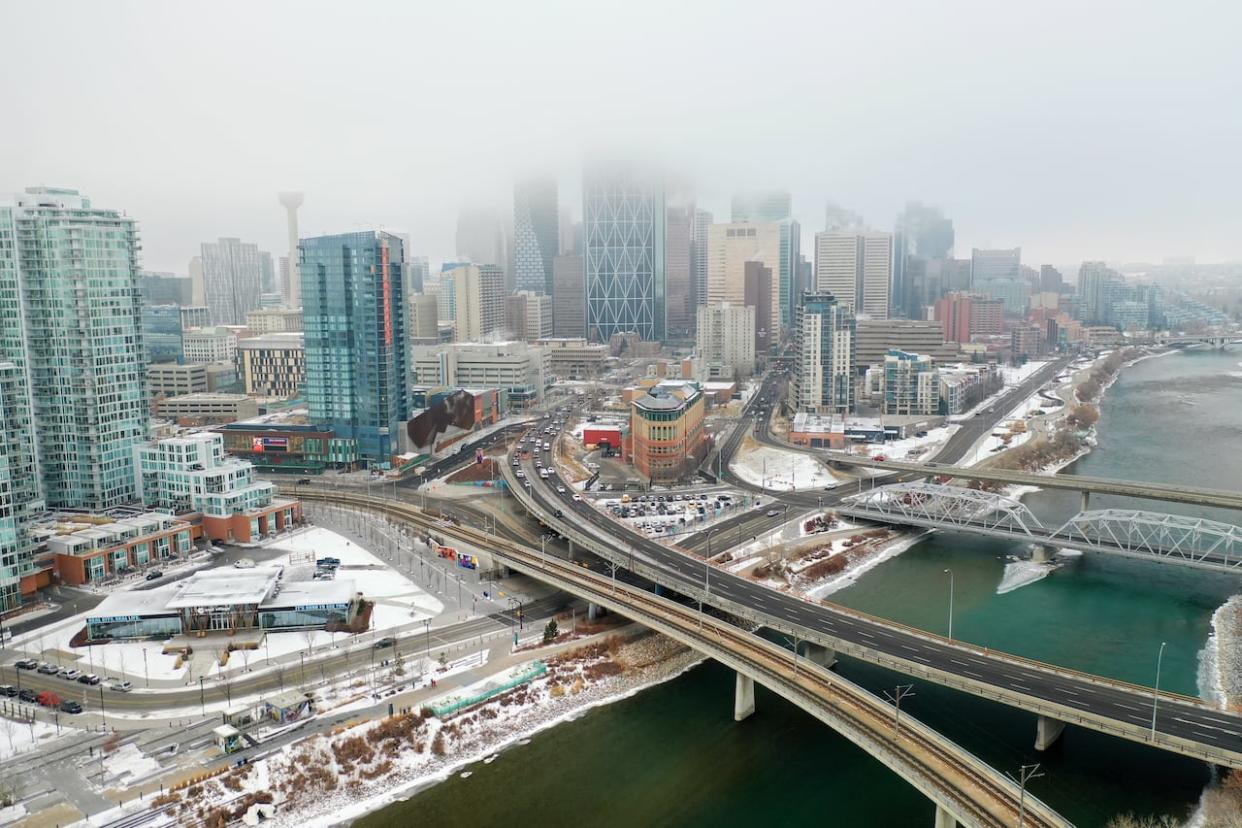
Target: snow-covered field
<point>398,601</point>
<point>918,448</point>
<point>17,737</point>
<point>783,471</point>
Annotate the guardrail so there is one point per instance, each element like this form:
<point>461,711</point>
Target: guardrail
<point>1013,698</point>
<point>957,786</point>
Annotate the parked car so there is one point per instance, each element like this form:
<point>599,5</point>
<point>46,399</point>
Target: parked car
<point>70,675</point>
<point>328,563</point>
<point>89,678</point>
<point>70,707</point>
<point>26,664</point>
<point>48,669</point>
<point>8,690</point>
<point>154,575</point>
<point>243,563</point>
<point>772,513</point>
<point>385,642</point>
<point>48,699</point>
<point>27,696</point>
<point>121,686</point>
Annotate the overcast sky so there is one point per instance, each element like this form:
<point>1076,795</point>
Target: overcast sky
<point>1076,130</point>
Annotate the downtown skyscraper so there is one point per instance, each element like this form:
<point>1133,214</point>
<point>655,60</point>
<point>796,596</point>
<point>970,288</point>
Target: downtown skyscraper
<point>536,234</point>
<point>623,226</point>
<point>776,206</point>
<point>233,273</point>
<point>357,355</point>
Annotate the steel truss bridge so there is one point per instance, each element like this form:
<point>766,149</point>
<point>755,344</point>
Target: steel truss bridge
<point>1189,541</point>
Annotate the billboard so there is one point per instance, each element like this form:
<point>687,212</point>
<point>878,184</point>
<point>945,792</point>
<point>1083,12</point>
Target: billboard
<point>265,444</point>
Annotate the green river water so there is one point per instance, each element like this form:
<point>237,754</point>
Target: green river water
<point>672,755</point>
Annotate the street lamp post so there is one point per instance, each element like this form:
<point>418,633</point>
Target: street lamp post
<point>1155,693</point>
<point>950,574</point>
<point>1025,774</point>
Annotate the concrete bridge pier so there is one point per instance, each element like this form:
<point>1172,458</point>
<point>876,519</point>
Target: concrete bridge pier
<point>1084,500</point>
<point>1047,731</point>
<point>1044,553</point>
<point>570,541</point>
<point>592,611</point>
<point>944,819</point>
<point>820,655</point>
<point>743,698</point>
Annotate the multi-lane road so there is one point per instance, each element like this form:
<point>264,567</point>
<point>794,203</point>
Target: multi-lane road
<point>1101,703</point>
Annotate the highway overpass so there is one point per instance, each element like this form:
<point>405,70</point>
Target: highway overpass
<point>965,790</point>
<point>1183,725</point>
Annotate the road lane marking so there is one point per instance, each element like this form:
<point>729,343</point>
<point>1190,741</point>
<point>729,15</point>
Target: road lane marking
<point>1127,706</point>
<point>972,674</point>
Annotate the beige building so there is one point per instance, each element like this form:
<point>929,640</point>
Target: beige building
<point>424,318</point>
<point>208,408</point>
<point>273,365</point>
<point>517,368</point>
<point>528,316</point>
<point>475,295</point>
<point>874,338</point>
<point>216,344</point>
<point>569,296</point>
<point>168,379</point>
<point>274,320</point>
<point>856,268</point>
<point>726,340</point>
<point>570,358</point>
<point>729,248</point>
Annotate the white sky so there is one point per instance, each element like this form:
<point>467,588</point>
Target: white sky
<point>1076,130</point>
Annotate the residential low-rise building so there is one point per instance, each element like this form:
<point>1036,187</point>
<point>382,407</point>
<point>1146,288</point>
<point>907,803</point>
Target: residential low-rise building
<point>962,387</point>
<point>288,446</point>
<point>169,379</point>
<point>193,474</point>
<point>92,549</point>
<point>910,384</point>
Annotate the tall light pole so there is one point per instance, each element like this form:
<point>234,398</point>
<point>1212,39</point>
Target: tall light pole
<point>949,572</point>
<point>1155,693</point>
<point>1025,774</point>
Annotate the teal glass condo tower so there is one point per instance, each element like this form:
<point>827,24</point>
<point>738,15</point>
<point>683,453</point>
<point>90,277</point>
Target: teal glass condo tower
<point>357,355</point>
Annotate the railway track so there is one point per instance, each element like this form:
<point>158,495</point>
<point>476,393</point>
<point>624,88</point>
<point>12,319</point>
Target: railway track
<point>979,795</point>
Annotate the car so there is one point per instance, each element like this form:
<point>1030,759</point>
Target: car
<point>89,678</point>
<point>328,562</point>
<point>303,481</point>
<point>879,458</point>
<point>70,675</point>
<point>26,664</point>
<point>519,474</point>
<point>70,707</point>
<point>577,498</point>
<point>8,690</point>
<point>48,699</point>
<point>121,686</point>
<point>385,642</point>
<point>154,575</point>
<point>48,669</point>
<point>27,696</point>
<point>560,490</point>
<point>243,563</point>
<point>772,513</point>
<point>558,513</point>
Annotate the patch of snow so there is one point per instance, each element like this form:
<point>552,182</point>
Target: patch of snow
<point>1022,573</point>
<point>844,579</point>
<point>779,470</point>
<point>17,737</point>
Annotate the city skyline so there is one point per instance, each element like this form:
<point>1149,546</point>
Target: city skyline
<point>1014,161</point>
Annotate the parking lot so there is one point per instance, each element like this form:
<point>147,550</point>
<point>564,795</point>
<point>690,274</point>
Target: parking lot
<point>667,516</point>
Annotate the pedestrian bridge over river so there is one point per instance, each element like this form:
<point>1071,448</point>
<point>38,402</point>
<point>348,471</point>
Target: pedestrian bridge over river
<point>1188,541</point>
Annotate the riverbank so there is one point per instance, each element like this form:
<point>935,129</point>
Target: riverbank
<point>334,778</point>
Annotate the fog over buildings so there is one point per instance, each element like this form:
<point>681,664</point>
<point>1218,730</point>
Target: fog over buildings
<point>1076,132</point>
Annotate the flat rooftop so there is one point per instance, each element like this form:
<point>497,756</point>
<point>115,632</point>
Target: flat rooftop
<point>222,587</point>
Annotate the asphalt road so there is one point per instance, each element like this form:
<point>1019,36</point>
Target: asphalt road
<point>1218,729</point>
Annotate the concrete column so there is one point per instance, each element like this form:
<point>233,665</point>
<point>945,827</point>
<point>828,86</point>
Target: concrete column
<point>571,547</point>
<point>1043,553</point>
<point>944,819</point>
<point>592,611</point>
<point>743,698</point>
<point>1047,731</point>
<point>820,655</point>
<point>1084,500</point>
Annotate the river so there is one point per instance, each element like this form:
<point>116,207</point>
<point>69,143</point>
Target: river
<point>672,755</point>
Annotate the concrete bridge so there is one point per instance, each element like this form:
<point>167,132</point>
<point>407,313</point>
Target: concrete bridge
<point>1180,724</point>
<point>1187,541</point>
<point>1214,340</point>
<point>1168,492</point>
<point>965,790</point>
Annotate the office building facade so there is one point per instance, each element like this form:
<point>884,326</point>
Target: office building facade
<point>357,357</point>
<point>730,248</point>
<point>623,225</point>
<point>856,268</point>
<point>21,501</point>
<point>528,316</point>
<point>273,365</point>
<point>678,272</point>
<point>758,293</point>
<point>568,296</point>
<point>232,279</point>
<point>477,298</point>
<point>726,340</point>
